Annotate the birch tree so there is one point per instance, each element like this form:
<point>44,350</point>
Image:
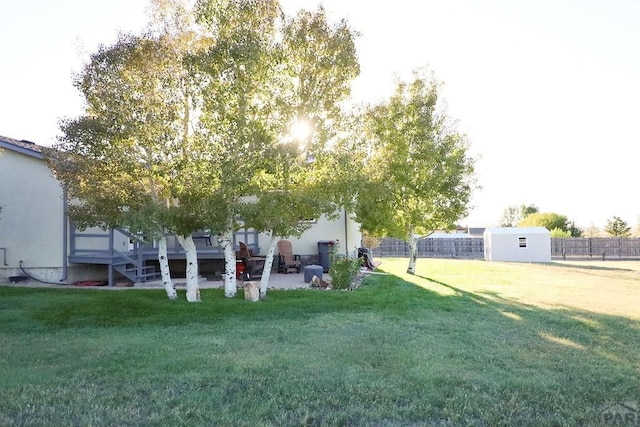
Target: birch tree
<point>187,121</point>
<point>317,63</point>
<point>129,153</point>
<point>238,69</point>
<point>420,177</point>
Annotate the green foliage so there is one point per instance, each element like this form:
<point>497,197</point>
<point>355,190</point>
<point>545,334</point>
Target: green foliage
<point>124,161</point>
<point>548,220</point>
<point>558,232</point>
<point>322,58</point>
<point>184,124</point>
<point>573,230</point>
<point>418,173</point>
<point>343,269</point>
<point>617,227</point>
<point>514,214</point>
<point>551,221</point>
<point>306,175</point>
<point>527,210</point>
<point>270,73</point>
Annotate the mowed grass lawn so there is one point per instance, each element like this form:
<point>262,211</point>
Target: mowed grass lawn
<point>459,343</point>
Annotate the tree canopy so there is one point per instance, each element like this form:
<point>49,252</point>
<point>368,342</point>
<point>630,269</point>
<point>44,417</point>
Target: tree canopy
<point>514,214</point>
<point>185,125</point>
<point>272,111</point>
<point>419,177</point>
<point>132,159</point>
<point>617,227</point>
<point>551,221</point>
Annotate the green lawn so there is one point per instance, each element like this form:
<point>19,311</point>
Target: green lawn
<point>460,343</point>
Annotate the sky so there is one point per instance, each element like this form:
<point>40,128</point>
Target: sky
<point>547,91</point>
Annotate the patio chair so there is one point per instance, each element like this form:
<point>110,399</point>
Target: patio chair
<point>253,265</point>
<point>287,261</point>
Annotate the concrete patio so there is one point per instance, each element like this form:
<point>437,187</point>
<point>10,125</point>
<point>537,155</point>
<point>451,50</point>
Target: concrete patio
<point>276,281</point>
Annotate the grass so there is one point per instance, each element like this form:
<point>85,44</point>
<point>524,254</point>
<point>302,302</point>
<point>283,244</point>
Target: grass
<point>459,343</point>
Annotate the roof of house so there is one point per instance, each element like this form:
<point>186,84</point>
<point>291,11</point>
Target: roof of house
<point>21,146</point>
<point>476,231</point>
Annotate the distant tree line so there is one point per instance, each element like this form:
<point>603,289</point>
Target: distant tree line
<point>558,225</point>
<point>530,216</point>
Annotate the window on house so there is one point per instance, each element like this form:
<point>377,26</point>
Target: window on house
<point>522,242</point>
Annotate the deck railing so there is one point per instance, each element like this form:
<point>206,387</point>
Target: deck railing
<point>98,243</point>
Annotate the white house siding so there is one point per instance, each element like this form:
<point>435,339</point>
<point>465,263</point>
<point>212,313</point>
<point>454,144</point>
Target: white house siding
<point>505,244</point>
<point>87,241</point>
<point>346,230</point>
<point>31,221</point>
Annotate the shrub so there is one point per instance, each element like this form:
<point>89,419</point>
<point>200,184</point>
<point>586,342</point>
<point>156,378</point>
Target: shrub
<point>343,271</point>
<point>343,268</point>
<point>557,232</point>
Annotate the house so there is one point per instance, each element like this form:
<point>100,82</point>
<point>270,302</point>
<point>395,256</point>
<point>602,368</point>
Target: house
<point>522,244</point>
<point>32,222</point>
<point>37,239</point>
<point>476,231</point>
<point>343,229</point>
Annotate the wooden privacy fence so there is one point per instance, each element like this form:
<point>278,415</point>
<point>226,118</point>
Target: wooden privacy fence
<point>601,247</point>
<point>473,247</point>
<point>458,247</point>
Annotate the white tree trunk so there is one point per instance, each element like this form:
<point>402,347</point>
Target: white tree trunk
<point>225,241</point>
<point>413,250</point>
<point>268,264</point>
<point>163,259</point>
<point>189,246</point>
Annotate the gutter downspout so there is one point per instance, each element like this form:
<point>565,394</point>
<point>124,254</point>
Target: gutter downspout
<point>65,236</point>
<point>346,234</point>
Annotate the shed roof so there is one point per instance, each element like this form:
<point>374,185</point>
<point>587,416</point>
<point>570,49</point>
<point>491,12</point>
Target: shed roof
<point>516,230</point>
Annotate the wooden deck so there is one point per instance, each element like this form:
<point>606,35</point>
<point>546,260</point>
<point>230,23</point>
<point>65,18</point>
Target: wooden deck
<point>132,257</point>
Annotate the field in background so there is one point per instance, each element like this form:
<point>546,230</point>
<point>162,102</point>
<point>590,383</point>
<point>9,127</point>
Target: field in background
<point>606,287</point>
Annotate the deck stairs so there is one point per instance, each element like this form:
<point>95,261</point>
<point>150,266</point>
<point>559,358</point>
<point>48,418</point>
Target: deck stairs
<point>134,269</point>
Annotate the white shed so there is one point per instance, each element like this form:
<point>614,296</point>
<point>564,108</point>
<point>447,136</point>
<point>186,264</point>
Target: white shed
<point>522,244</point>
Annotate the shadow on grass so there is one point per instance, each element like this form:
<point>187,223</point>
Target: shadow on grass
<point>389,353</point>
<point>565,317</point>
<point>43,308</point>
<point>571,342</point>
<point>569,265</point>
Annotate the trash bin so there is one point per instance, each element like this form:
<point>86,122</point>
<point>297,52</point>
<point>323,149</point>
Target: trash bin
<point>323,255</point>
